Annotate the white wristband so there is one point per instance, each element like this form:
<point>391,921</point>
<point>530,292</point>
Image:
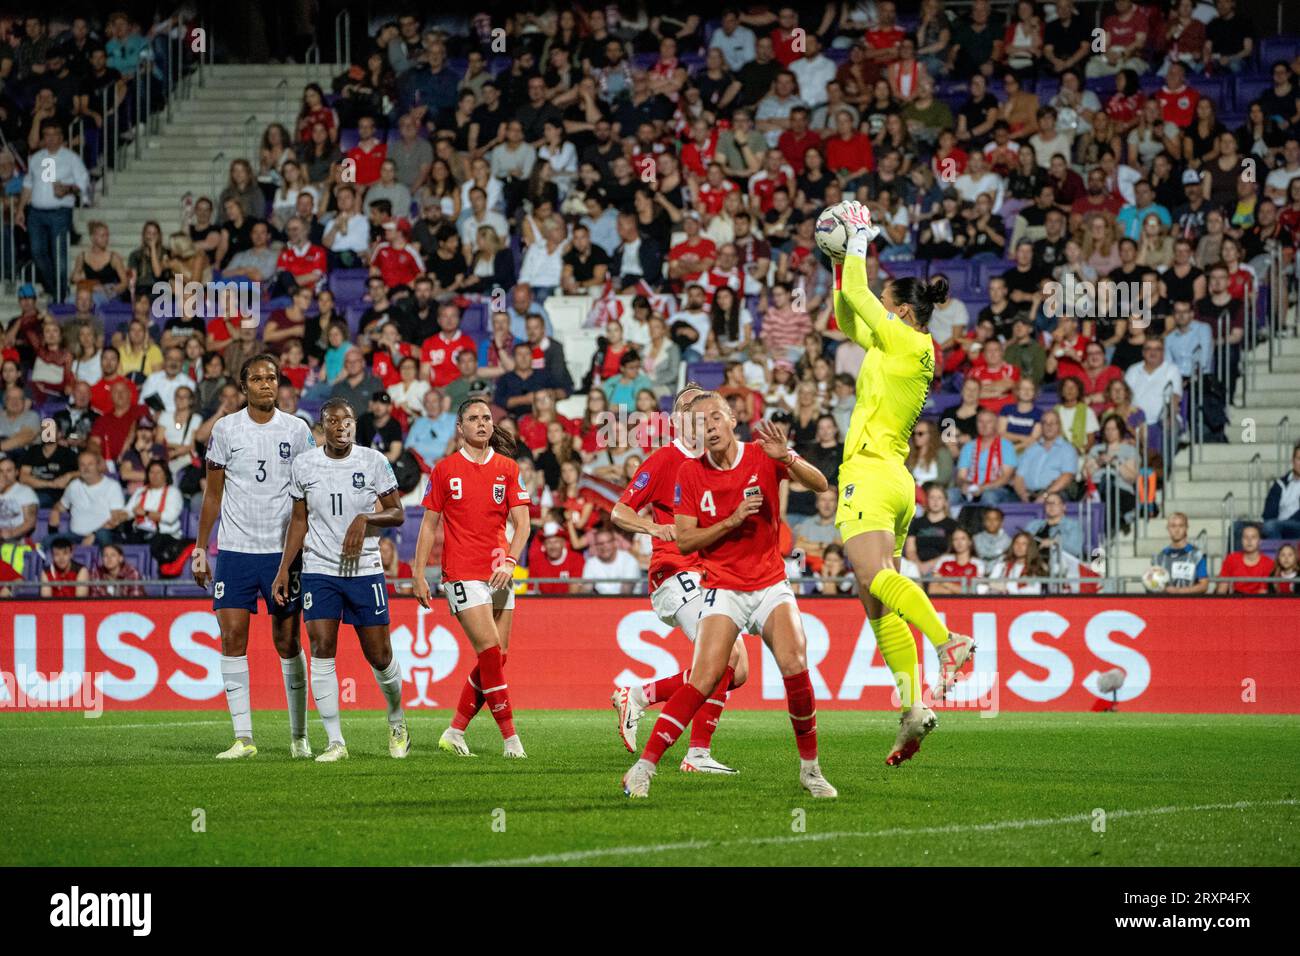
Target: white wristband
<point>857,245</point>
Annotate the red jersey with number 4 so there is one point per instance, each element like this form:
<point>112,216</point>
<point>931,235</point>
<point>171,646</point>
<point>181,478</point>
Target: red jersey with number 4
<point>474,501</point>
<point>653,485</point>
<point>747,558</point>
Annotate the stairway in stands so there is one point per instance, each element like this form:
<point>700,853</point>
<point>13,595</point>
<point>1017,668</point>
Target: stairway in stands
<point>1222,469</point>
<point>192,153</point>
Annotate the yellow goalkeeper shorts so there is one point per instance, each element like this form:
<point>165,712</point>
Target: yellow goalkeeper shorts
<point>875,495</point>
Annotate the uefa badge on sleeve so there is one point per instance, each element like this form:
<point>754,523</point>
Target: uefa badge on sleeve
<point>499,493</point>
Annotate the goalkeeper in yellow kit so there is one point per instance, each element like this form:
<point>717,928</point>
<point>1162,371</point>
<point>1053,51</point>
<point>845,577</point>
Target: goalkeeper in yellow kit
<point>877,492</point>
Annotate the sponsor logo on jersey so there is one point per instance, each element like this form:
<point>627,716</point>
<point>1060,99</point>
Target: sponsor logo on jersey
<point>642,480</point>
<point>358,479</point>
<point>498,493</point>
<point>284,450</point>
<point>677,494</point>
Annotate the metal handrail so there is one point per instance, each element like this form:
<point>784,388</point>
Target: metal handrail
<point>343,38</point>
<point>212,174</point>
<point>1168,434</point>
<point>1228,517</point>
<point>1254,477</point>
<point>250,141</point>
<point>281,98</point>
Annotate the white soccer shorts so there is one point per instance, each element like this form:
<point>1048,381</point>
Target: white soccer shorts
<point>748,610</point>
<point>676,602</point>
<point>467,594</point>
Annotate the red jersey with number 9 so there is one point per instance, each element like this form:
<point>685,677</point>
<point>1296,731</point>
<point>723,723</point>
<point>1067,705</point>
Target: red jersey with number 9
<point>474,501</point>
<point>747,558</point>
<point>653,485</point>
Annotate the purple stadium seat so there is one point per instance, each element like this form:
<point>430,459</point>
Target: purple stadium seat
<point>987,270</point>
<point>348,285</point>
<point>708,374</point>
<point>353,314</point>
<point>907,267</point>
<point>475,320</point>
<point>185,590</point>
<point>1278,48</point>
<point>62,310</point>
<point>347,139</point>
<point>958,273</point>
<point>116,316</point>
<point>408,533</point>
<point>666,404</point>
<point>1248,88</point>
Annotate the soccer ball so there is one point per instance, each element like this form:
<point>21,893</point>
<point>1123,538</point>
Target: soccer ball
<point>1155,578</point>
<point>833,233</point>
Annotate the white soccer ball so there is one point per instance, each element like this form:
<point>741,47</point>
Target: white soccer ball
<point>833,233</point>
<point>1155,579</point>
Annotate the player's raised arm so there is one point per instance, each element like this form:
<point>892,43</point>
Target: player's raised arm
<point>845,316</point>
<point>775,444</point>
<point>855,288</point>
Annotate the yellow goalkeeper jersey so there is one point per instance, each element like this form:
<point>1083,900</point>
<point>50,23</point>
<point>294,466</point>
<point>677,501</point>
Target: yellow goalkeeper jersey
<point>895,377</point>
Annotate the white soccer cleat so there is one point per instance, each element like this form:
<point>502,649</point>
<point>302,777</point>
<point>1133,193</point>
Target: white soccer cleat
<point>629,714</point>
<point>953,655</point>
<point>333,753</point>
<point>514,747</point>
<point>299,747</point>
<point>453,742</point>
<point>699,760</point>
<point>636,782</point>
<point>399,741</point>
<point>811,779</point>
<point>240,748</point>
<point>913,726</point>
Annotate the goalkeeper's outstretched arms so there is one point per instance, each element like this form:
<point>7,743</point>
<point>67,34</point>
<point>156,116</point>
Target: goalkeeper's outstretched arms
<point>867,309</point>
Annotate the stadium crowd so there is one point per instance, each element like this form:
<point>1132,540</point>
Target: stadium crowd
<point>406,231</point>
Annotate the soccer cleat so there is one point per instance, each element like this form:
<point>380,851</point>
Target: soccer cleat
<point>514,748</point>
<point>699,760</point>
<point>333,752</point>
<point>912,728</point>
<point>399,741</point>
<point>953,655</point>
<point>811,779</point>
<point>629,713</point>
<point>454,743</point>
<point>240,748</point>
<point>636,782</point>
<point>299,747</point>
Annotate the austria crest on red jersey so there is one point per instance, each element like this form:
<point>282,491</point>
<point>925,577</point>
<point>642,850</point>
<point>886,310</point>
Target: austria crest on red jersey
<point>498,493</point>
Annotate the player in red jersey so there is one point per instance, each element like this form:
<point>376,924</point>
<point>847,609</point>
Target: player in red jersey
<point>675,592</point>
<point>726,508</point>
<point>474,492</point>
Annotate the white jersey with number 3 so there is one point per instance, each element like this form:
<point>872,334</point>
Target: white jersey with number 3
<point>336,491</point>
<point>257,460</point>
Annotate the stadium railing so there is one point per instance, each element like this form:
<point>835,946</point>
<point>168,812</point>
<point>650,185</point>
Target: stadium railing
<point>981,586</point>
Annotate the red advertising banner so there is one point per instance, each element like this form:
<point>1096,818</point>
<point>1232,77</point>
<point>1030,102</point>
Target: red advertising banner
<point>1177,655</point>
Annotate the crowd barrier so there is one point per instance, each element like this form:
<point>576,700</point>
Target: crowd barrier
<point>1178,655</point>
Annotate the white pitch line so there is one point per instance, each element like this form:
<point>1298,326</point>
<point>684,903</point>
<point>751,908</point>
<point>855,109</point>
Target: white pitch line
<point>94,723</point>
<point>576,856</point>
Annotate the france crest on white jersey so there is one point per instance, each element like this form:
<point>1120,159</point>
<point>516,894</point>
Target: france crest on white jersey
<point>336,491</point>
<point>258,462</point>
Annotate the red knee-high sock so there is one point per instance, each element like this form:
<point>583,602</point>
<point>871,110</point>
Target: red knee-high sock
<point>495,692</point>
<point>706,721</point>
<point>471,698</point>
<point>677,713</point>
<point>658,691</point>
<point>803,714</point>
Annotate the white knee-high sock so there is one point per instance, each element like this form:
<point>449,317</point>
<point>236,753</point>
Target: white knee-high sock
<point>390,682</point>
<point>294,670</point>
<point>234,673</point>
<point>325,691</point>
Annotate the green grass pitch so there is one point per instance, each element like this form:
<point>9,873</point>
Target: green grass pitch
<point>1015,790</point>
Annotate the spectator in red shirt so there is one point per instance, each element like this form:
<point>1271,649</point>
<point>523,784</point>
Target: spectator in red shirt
<point>301,261</point>
<point>113,430</point>
<point>714,190</point>
<point>693,255</point>
<point>886,37</point>
<point>1096,376</point>
<point>774,175</point>
<point>389,354</point>
<point>848,152</point>
<point>787,38</point>
<point>1249,562</point>
<point>795,142</point>
<point>997,379</point>
<point>368,155</point>
<point>556,560</point>
<point>396,261</point>
<point>101,393</point>
<point>959,563</point>
<point>1177,99</point>
<point>1126,41</point>
<point>1066,348</point>
<point>438,352</point>
<point>699,151</point>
